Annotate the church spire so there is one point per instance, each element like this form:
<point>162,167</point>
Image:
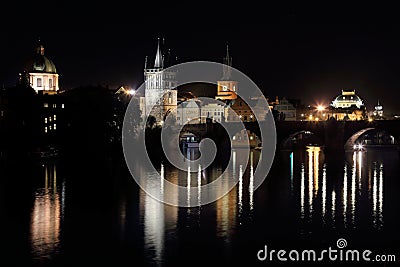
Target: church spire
<point>158,63</point>
<point>227,61</point>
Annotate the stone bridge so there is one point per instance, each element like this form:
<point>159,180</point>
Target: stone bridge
<point>333,134</point>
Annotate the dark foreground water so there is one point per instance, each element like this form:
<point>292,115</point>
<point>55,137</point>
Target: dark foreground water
<point>80,212</point>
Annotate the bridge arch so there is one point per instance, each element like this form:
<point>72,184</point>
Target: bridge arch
<point>370,137</point>
<point>300,139</point>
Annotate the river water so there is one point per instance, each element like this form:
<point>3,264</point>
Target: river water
<point>61,212</point>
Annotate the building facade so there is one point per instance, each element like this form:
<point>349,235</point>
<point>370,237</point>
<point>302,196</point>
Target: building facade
<point>213,111</point>
<point>286,110</point>
<point>347,106</point>
<point>193,111</point>
<point>188,112</point>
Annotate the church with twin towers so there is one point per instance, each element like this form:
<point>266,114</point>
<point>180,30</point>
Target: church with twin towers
<point>161,93</point>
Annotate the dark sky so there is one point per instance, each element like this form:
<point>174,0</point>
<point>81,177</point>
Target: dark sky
<point>297,51</point>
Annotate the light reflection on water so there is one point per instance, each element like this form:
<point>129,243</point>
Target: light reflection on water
<point>319,193</point>
<point>353,180</point>
<point>47,214</point>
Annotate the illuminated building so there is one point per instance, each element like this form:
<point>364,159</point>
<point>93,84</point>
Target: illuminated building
<point>248,111</point>
<point>213,111</point>
<point>188,112</point>
<point>227,88</point>
<point>378,111</point>
<point>286,110</point>
<point>347,99</point>
<point>42,72</point>
<point>160,88</point>
<point>348,106</point>
<point>194,111</point>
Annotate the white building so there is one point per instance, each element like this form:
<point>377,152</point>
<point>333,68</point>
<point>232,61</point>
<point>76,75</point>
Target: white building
<point>42,73</point>
<point>188,112</point>
<point>347,99</point>
<point>213,111</point>
<point>193,111</point>
<point>286,110</point>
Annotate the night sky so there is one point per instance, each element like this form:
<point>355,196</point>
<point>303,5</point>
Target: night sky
<point>296,51</point>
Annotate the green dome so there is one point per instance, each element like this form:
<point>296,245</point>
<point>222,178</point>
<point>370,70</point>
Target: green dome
<point>41,63</point>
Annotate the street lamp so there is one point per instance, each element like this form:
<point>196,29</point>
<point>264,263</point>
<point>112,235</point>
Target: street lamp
<point>320,109</point>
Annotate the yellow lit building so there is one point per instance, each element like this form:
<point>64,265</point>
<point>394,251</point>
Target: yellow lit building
<point>348,106</point>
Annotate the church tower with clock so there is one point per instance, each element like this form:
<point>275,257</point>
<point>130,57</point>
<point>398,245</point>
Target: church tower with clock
<point>227,88</point>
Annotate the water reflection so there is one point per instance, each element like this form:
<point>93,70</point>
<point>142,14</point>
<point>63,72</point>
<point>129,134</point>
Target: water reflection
<point>157,217</point>
<point>315,194</point>
<point>377,195</point>
<point>331,195</point>
<point>251,183</point>
<point>47,214</point>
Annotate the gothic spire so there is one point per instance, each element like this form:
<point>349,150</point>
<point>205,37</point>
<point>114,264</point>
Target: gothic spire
<point>227,61</point>
<point>158,63</point>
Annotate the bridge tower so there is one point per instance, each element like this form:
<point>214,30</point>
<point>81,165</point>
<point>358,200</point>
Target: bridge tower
<point>160,87</point>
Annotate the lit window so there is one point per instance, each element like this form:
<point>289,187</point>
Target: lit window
<point>51,83</point>
<point>45,120</point>
<point>49,119</point>
<point>55,117</point>
<point>46,105</point>
<point>234,138</point>
<point>54,105</point>
<point>50,127</point>
<point>55,126</point>
<point>45,129</point>
<point>2,113</point>
<point>62,105</point>
<point>39,82</point>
